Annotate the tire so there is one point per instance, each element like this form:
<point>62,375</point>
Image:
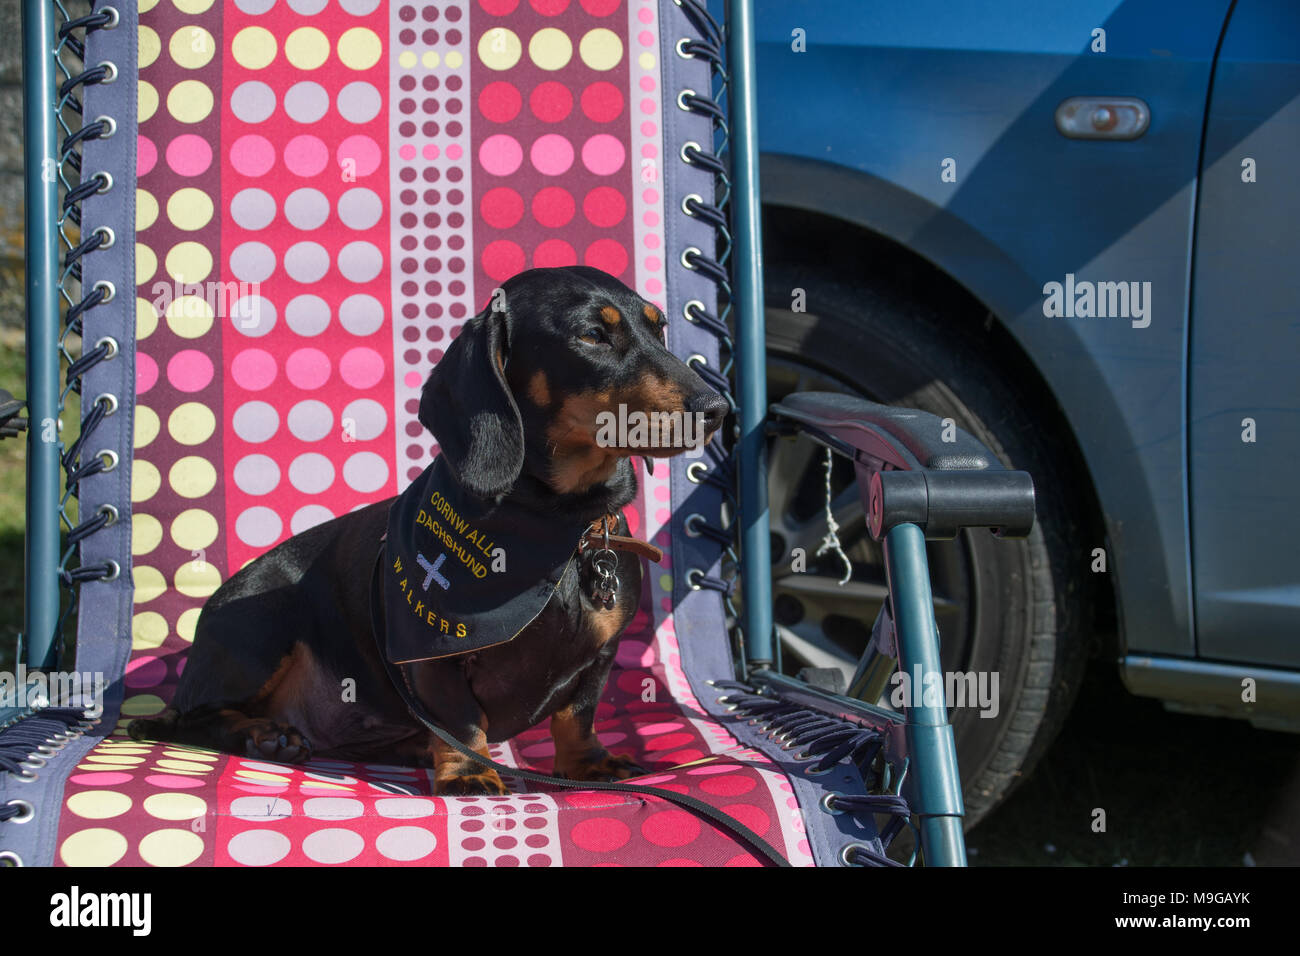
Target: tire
<point>1017,608</point>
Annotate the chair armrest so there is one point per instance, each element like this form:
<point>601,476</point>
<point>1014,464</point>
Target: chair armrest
<point>912,468</point>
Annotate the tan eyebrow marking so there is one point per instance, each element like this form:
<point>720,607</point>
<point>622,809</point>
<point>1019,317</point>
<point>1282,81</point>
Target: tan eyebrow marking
<point>653,315</point>
<point>610,315</point>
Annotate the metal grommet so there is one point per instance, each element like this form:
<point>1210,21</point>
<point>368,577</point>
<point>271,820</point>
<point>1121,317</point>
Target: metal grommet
<point>689,525</point>
<point>686,209</point>
<point>688,314</point>
<point>845,850</point>
<point>110,71</point>
<point>110,291</point>
<point>695,471</point>
<point>34,761</point>
<point>110,342</point>
<point>112,512</point>
<point>110,458</point>
<point>697,357</point>
<point>114,19</point>
<point>687,262</point>
<point>693,575</point>
<point>105,180</point>
<point>687,145</point>
<point>25,776</point>
<point>681,96</point>
<point>10,858</point>
<point>682,52</point>
<point>115,569</point>
<point>110,400</point>
<point>110,237</point>
<point>112,126</point>
<point>827,803</point>
<point>25,811</point>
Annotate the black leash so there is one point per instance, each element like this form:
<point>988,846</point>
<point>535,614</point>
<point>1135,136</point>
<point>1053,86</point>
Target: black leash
<point>398,677</point>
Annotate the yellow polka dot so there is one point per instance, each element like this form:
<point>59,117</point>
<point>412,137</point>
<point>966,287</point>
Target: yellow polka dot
<point>189,316</point>
<point>146,101</point>
<point>192,477</point>
<point>171,847</point>
<point>307,48</point>
<point>360,49</point>
<point>144,6</point>
<point>145,481</point>
<point>429,60</point>
<point>146,533</point>
<point>129,748</point>
<point>150,46</point>
<point>253,48</point>
<point>550,48</point>
<point>142,705</point>
<point>321,785</point>
<point>666,582</point>
<point>189,209</point>
<point>193,754</point>
<point>647,61</point>
<point>114,760</point>
<point>148,630</point>
<point>188,6</point>
<point>194,528</point>
<point>184,766</point>
<point>406,59</point>
<point>261,775</point>
<point>601,49</point>
<point>149,583</point>
<point>197,579</point>
<point>191,423</point>
<point>99,804</point>
<point>97,846</point>
<point>454,60</point>
<point>187,622</point>
<point>499,48</point>
<point>146,210</point>
<point>189,101</point>
<point>146,426</point>
<point>188,262</point>
<point>146,263</point>
<point>175,806</point>
<point>146,319</point>
<point>191,47</point>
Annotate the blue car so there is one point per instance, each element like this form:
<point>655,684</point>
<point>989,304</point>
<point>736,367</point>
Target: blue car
<point>1072,230</point>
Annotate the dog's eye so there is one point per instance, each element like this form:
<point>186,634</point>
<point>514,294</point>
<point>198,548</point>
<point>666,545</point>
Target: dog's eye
<point>594,336</point>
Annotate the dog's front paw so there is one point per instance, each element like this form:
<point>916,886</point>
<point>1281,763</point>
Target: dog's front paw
<point>606,768</point>
<point>267,740</point>
<point>472,785</point>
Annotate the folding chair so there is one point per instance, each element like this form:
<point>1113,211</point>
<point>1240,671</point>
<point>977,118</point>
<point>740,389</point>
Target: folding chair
<point>265,220</point>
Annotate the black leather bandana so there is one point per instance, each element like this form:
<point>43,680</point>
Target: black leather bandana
<point>460,575</point>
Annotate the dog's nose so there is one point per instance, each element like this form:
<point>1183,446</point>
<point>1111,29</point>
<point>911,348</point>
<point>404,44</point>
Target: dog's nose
<point>711,405</point>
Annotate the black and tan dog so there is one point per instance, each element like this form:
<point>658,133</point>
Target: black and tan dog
<point>285,664</point>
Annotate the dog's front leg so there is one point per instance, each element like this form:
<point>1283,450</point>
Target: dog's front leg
<point>579,754</point>
<point>446,694</point>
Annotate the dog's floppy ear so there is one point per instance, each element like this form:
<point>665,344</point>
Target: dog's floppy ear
<point>468,407</point>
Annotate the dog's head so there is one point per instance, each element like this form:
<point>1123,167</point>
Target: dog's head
<point>564,373</point>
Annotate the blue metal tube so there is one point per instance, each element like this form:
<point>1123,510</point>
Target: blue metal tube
<point>751,361</point>
<point>41,611</point>
<point>932,752</point>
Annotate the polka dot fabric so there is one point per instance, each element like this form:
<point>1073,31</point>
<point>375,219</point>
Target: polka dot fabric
<point>326,190</point>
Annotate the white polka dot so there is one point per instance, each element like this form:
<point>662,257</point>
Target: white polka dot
<point>307,262</point>
<point>368,418</point>
<point>333,808</point>
<point>256,474</point>
<point>253,315</point>
<point>310,420</point>
<point>359,8</point>
<point>260,809</point>
<point>406,843</point>
<point>309,516</point>
<point>359,102</point>
<point>258,527</point>
<point>360,208</point>
<point>365,471</point>
<point>256,422</point>
<point>253,102</point>
<point>253,209</point>
<point>405,808</point>
<point>258,847</point>
<point>308,315</point>
<point>311,473</point>
<point>307,208</point>
<point>254,7</point>
<point>360,261</point>
<point>252,262</point>
<point>361,314</point>
<point>333,845</point>
<point>262,767</point>
<point>306,102</point>
<point>307,7</point>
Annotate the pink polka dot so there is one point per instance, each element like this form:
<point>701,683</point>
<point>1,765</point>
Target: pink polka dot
<point>732,786</point>
<point>252,155</point>
<point>669,741</point>
<point>551,154</point>
<point>253,369</point>
<point>500,102</point>
<point>750,816</point>
<point>502,259</point>
<point>189,155</point>
<point>361,154</point>
<point>607,255</point>
<point>171,781</point>
<point>662,515</point>
<point>550,101</point>
<point>662,493</point>
<point>430,151</point>
<point>554,253</point>
<point>658,727</point>
<point>679,757</point>
<point>600,834</point>
<point>648,128</point>
<point>651,241</point>
<point>654,286</point>
<point>361,367</point>
<point>743,860</point>
<point>106,779</point>
<point>709,770</point>
<point>604,206</point>
<point>603,154</point>
<point>549,8</point>
<point>269,790</point>
<point>647,83</point>
<point>553,207</point>
<point>600,8</point>
<point>189,370</point>
<point>306,155</point>
<point>648,106</point>
<point>653,263</point>
<point>645,16</point>
<point>679,861</point>
<point>454,151</point>
<point>407,152</point>
<point>146,154</point>
<point>646,38</point>
<point>411,379</point>
<point>146,373</point>
<point>498,8</point>
<point>308,368</point>
<point>650,197</point>
<point>589,800</point>
<point>670,828</point>
<point>500,155</point>
<point>805,848</point>
<point>145,671</point>
<point>502,207</point>
<point>602,102</point>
